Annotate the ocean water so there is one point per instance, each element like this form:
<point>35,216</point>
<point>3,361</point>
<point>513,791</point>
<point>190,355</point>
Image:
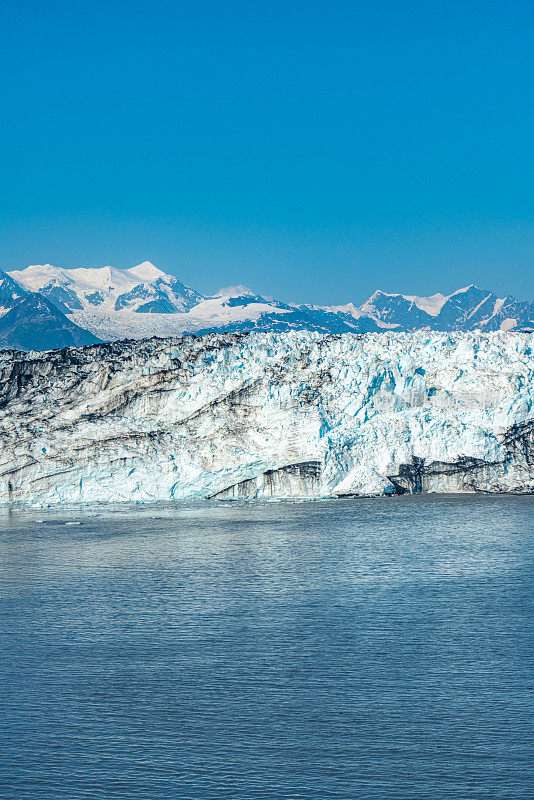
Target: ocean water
<point>350,649</point>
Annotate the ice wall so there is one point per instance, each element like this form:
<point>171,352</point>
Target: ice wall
<point>269,415</point>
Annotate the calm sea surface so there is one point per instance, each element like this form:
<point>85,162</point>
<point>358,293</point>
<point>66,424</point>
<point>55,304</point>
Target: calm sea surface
<point>351,649</point>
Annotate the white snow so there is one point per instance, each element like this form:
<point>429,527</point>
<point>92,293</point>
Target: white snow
<point>508,324</point>
<point>108,323</point>
<point>108,280</point>
<point>478,305</point>
<point>112,283</point>
<point>431,305</point>
<point>36,276</point>
<point>147,272</point>
<point>235,291</point>
<point>499,302</point>
<point>348,308</point>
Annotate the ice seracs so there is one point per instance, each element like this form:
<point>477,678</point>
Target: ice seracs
<point>263,415</point>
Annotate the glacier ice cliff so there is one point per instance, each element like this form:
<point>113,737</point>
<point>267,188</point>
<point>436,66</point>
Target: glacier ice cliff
<point>268,415</point>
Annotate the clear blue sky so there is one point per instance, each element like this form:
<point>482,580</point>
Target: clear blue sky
<point>313,150</point>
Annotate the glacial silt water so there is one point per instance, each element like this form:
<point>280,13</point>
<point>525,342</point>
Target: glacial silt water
<point>372,649</point>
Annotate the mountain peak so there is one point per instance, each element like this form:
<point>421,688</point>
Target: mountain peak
<point>235,291</point>
<point>146,271</point>
<point>465,289</point>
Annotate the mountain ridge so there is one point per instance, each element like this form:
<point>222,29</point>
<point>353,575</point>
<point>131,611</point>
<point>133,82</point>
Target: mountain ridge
<point>143,301</point>
<point>34,323</point>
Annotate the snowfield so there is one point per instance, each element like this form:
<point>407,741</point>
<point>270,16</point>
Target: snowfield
<point>267,415</point>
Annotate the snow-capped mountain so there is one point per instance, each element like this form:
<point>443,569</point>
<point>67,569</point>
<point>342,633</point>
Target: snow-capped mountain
<point>143,301</point>
<point>29,321</point>
<point>143,289</point>
<point>469,308</point>
<point>300,414</point>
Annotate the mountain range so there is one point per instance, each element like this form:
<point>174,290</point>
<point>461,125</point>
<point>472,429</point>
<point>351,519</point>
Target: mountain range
<point>45,307</point>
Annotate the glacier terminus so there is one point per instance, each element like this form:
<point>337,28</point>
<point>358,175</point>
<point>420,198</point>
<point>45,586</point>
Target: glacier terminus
<point>268,415</point>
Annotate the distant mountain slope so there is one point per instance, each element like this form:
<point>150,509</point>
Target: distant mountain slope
<point>298,319</point>
<point>10,292</point>
<point>144,301</point>
<point>34,323</point>
<point>466,309</point>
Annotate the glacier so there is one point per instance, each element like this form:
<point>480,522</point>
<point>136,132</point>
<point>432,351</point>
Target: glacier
<point>264,415</point>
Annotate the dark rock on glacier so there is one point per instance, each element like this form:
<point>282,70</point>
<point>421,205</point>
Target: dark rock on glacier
<point>473,474</point>
<point>293,480</point>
